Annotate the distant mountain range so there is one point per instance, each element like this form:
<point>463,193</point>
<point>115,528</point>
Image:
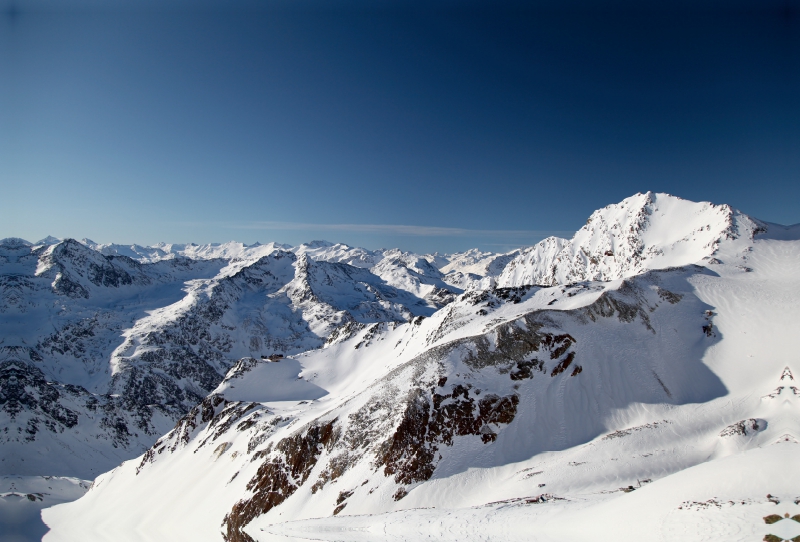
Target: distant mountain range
<point>115,343</point>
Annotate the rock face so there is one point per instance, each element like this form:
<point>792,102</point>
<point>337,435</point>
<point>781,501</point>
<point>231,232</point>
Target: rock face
<point>25,388</point>
<point>62,310</point>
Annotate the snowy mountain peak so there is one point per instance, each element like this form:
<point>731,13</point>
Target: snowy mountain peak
<point>437,260</point>
<point>410,260</point>
<point>14,242</point>
<point>318,243</point>
<point>76,269</point>
<point>339,252</point>
<point>49,240</point>
<point>644,231</point>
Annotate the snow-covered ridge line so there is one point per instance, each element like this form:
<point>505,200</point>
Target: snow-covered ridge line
<point>645,231</point>
<point>470,269</point>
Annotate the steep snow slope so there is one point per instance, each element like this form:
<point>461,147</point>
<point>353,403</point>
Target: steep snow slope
<point>559,401</point>
<point>726,500</point>
<point>645,231</point>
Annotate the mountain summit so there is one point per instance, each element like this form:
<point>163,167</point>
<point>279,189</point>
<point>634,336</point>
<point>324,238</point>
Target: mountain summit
<point>645,231</point>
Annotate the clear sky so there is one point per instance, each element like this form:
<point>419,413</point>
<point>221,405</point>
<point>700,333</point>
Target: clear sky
<point>428,126</point>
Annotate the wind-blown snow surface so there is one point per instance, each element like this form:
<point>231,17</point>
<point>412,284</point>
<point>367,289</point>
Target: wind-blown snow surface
<point>650,396</point>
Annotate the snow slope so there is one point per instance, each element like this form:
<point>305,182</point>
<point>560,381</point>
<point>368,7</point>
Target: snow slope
<point>650,395</point>
<point>23,497</point>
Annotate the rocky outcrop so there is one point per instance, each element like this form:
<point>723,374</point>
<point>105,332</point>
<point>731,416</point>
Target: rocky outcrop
<point>280,476</point>
<point>36,409</point>
<point>24,389</point>
<point>744,428</point>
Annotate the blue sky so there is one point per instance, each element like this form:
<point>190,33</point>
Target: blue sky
<point>428,126</point>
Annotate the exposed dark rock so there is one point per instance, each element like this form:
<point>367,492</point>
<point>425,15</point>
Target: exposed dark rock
<point>280,475</point>
<point>515,344</point>
<point>411,453</point>
<point>563,364</point>
<point>746,427</point>
<point>340,501</point>
<point>668,296</point>
<point>23,387</point>
<point>625,432</point>
<point>626,303</point>
<point>439,297</point>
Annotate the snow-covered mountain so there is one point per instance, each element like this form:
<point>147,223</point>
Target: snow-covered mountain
<point>101,354</point>
<point>645,231</point>
<point>165,251</point>
<point>463,270</point>
<point>472,269</point>
<point>491,380</point>
<point>638,378</point>
<point>477,262</point>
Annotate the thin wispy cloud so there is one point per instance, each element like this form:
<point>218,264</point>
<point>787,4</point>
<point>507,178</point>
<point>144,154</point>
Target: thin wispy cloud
<point>396,229</point>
